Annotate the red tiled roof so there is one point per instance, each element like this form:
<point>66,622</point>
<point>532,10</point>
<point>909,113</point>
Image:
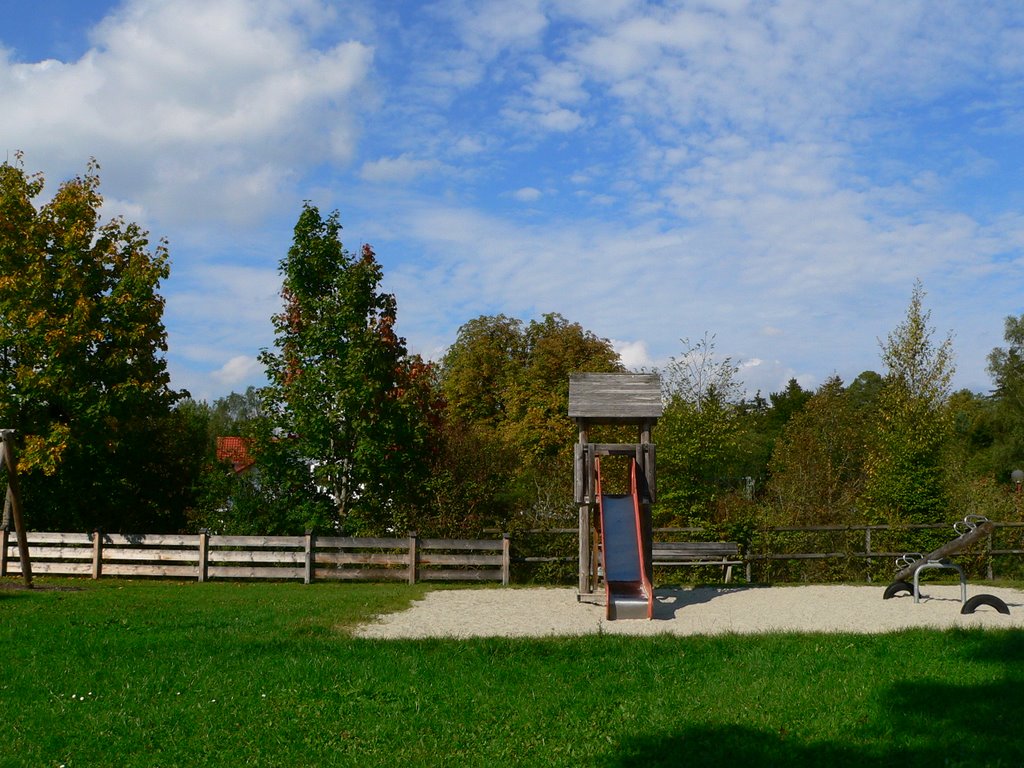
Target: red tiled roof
<point>236,451</point>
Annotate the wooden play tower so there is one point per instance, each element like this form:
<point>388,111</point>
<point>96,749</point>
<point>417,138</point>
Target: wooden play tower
<point>624,399</point>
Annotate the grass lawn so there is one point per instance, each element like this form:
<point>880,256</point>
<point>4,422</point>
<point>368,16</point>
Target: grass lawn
<point>121,673</point>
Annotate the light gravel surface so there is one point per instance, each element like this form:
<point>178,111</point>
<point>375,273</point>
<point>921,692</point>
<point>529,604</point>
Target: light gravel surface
<point>700,611</point>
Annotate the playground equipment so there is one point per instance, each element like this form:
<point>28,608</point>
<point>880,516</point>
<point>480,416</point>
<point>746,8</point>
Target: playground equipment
<point>626,551</point>
<point>969,530</point>
<point>12,503</point>
<point>624,520</point>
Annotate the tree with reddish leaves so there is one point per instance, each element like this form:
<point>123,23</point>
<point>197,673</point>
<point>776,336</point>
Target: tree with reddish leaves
<point>343,389</point>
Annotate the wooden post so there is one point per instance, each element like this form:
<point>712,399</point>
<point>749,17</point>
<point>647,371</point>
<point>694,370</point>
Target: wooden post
<point>14,494</point>
<point>310,573</point>
<point>988,556</point>
<point>204,554</point>
<point>506,560</point>
<point>414,557</point>
<point>3,551</point>
<point>97,553</point>
<point>586,481</point>
<point>867,549</point>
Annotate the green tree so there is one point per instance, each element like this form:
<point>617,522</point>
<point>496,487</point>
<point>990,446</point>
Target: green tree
<point>275,495</point>
<point>506,386</point>
<point>904,468</point>
<point>336,380</point>
<point>698,434</point>
<point>1006,367</point>
<point>481,370</point>
<point>82,345</point>
<point>817,468</point>
<point>761,425</point>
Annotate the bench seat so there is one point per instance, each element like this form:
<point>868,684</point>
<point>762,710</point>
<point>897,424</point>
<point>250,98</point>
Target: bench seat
<point>723,553</point>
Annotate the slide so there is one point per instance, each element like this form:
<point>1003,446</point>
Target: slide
<point>629,591</point>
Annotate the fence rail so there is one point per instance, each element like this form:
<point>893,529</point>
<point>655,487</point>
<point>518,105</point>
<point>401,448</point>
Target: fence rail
<point>816,553</point>
<point>795,553</point>
<point>308,558</point>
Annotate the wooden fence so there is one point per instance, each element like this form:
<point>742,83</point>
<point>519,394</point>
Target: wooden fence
<point>308,558</point>
<point>870,552</point>
<point>814,553</point>
<point>810,553</point>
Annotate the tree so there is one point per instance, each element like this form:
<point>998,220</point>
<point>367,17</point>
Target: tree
<point>698,434</point>
<point>904,468</point>
<point>81,356</point>
<point>761,425</point>
<point>817,468</point>
<point>506,387</point>
<point>273,495</point>
<point>337,377</point>
<point>1006,367</point>
<point>481,369</point>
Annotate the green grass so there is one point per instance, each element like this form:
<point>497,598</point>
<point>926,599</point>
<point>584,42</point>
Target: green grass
<point>159,674</point>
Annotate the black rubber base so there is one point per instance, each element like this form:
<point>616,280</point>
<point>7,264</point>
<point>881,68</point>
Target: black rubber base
<point>896,587</point>
<point>989,600</point>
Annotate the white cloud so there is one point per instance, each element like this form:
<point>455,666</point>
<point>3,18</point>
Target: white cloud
<point>777,174</point>
<point>560,119</point>
<point>560,84</point>
<point>527,194</point>
<point>633,354</point>
<point>238,370</point>
<point>178,100</point>
<point>403,168</point>
<point>493,26</point>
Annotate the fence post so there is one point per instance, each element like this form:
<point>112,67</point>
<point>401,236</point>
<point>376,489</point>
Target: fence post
<point>310,558</point>
<point>506,560</point>
<point>988,555</point>
<point>204,540</point>
<point>867,549</point>
<point>97,553</point>
<point>414,557</point>
<point>3,551</point>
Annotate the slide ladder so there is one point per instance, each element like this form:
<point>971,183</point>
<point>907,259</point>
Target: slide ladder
<point>624,554</point>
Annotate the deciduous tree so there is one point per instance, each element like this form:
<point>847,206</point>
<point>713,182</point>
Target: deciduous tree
<point>1006,367</point>
<point>337,377</point>
<point>817,468</point>
<point>506,385</point>
<point>697,436</point>
<point>82,345</point>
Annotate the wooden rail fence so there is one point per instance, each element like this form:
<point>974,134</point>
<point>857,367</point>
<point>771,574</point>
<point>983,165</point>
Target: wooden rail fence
<point>793,553</point>
<point>205,556</point>
<point>859,552</point>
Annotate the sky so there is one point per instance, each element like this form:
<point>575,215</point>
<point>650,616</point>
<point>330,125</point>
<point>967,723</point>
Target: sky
<point>776,175</point>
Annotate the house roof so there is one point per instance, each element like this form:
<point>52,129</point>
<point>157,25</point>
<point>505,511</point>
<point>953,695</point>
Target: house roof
<point>236,451</point>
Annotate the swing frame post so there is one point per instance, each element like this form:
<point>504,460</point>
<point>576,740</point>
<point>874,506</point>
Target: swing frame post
<point>14,498</point>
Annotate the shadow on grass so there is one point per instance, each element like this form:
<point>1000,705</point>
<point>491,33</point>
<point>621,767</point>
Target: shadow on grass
<point>730,745</point>
<point>915,723</point>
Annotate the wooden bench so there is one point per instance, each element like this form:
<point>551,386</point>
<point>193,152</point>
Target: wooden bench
<point>723,553</point>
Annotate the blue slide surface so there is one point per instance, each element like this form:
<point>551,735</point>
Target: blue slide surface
<point>629,592</point>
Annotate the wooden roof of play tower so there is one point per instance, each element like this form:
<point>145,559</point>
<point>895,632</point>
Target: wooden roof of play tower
<point>615,398</point>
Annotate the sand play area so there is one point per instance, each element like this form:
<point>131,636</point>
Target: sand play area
<point>513,612</point>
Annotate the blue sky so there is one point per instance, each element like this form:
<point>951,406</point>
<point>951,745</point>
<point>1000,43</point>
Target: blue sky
<point>777,174</point>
